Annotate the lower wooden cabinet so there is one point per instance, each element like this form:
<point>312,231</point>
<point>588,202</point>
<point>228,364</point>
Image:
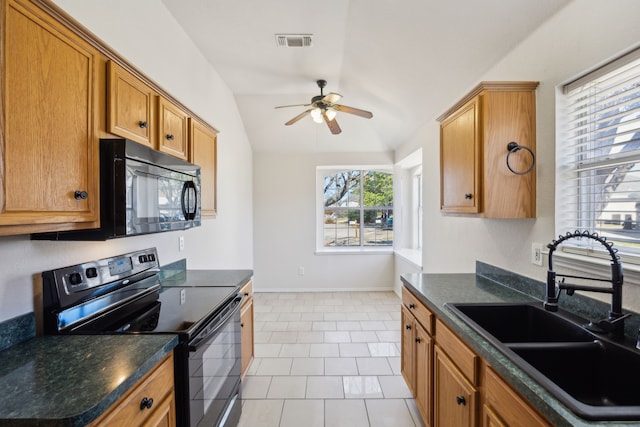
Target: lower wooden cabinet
<point>451,384</point>
<point>246,323</point>
<point>504,407</point>
<point>455,398</point>
<point>150,403</point>
<point>416,362</point>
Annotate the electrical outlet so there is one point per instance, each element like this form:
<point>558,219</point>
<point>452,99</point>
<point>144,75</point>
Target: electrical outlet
<point>181,243</point>
<point>536,253</point>
<point>301,271</point>
<point>183,296</point>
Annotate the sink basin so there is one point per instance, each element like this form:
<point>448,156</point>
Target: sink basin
<point>595,377</point>
<point>511,323</point>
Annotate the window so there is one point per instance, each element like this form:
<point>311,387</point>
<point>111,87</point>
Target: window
<point>357,208</point>
<point>598,155</point>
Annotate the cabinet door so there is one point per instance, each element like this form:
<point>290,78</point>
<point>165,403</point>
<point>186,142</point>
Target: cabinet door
<point>130,112</point>
<point>454,397</point>
<point>246,335</point>
<point>407,355</point>
<point>173,129</point>
<point>423,372</point>
<point>460,160</point>
<point>49,153</point>
<point>204,150</point>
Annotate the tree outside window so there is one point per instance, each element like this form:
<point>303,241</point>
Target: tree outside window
<point>358,208</point>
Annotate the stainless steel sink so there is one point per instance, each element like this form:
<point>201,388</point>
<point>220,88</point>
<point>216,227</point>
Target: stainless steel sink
<point>595,377</point>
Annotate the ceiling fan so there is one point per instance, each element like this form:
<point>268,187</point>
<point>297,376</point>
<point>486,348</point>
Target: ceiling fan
<point>324,107</point>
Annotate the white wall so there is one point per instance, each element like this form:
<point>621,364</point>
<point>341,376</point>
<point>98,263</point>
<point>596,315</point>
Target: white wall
<point>145,34</point>
<point>285,228</point>
<point>582,35</point>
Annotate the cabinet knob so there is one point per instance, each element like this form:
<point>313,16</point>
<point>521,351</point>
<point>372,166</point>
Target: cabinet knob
<point>412,306</point>
<point>418,340</point>
<point>170,137</point>
<point>407,327</point>
<point>460,400</point>
<point>146,403</point>
<point>80,195</point>
<point>143,124</point>
<point>468,196</point>
<point>246,294</point>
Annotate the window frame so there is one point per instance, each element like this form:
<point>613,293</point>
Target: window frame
<point>584,258</point>
<point>321,172</point>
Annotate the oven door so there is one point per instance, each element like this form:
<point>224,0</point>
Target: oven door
<point>214,369</point>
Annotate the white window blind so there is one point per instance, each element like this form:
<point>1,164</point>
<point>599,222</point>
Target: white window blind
<point>598,155</point>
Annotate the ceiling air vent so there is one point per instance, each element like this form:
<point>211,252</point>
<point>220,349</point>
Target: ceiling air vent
<point>293,40</point>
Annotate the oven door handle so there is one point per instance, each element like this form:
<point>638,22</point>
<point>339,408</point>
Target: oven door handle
<point>212,330</point>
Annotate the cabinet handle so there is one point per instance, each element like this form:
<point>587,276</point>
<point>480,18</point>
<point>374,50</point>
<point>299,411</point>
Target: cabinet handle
<point>468,196</point>
<point>242,325</point>
<point>170,137</point>
<point>460,400</point>
<point>246,294</point>
<point>143,124</point>
<point>146,403</point>
<point>418,340</point>
<point>80,195</point>
<point>407,327</point>
<point>412,306</point>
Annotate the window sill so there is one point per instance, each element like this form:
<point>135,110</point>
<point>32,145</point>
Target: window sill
<point>354,251</point>
<point>595,266</point>
<point>413,256</point>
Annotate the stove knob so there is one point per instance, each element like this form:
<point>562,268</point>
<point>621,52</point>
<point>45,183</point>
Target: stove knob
<point>75,278</point>
<point>91,272</point>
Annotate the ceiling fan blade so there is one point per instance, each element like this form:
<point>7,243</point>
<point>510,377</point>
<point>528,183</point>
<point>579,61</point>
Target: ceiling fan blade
<point>351,110</point>
<point>298,117</point>
<point>331,98</point>
<point>295,105</point>
<point>333,124</point>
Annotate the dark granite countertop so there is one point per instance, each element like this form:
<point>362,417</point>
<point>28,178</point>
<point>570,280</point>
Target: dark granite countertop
<point>71,380</point>
<point>180,277</point>
<point>434,290</point>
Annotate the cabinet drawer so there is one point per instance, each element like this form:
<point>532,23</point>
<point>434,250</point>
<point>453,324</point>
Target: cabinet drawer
<point>419,311</point>
<point>157,385</point>
<point>464,358</point>
<point>503,403</point>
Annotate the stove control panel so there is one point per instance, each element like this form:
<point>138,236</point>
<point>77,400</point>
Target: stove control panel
<point>77,281</point>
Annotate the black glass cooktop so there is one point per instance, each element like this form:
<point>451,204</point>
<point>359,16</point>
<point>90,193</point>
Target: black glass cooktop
<point>185,309</point>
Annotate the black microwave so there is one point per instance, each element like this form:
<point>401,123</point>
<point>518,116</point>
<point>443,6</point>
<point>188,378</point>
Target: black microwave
<point>142,191</point>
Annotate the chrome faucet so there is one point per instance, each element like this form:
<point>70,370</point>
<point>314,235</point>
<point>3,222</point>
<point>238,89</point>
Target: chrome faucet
<point>614,324</point>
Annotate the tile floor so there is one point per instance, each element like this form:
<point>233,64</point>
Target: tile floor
<point>328,360</point>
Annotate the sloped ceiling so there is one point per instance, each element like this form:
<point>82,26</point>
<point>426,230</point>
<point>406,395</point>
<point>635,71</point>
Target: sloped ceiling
<point>406,61</point>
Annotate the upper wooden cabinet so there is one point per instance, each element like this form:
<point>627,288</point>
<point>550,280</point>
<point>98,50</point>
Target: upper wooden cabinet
<point>173,129</point>
<point>130,106</point>
<point>474,135</point>
<point>203,152</point>
<point>48,123</point>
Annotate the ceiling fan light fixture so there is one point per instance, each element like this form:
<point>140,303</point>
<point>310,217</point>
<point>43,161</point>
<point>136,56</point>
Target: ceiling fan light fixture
<point>316,115</point>
<point>331,114</point>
